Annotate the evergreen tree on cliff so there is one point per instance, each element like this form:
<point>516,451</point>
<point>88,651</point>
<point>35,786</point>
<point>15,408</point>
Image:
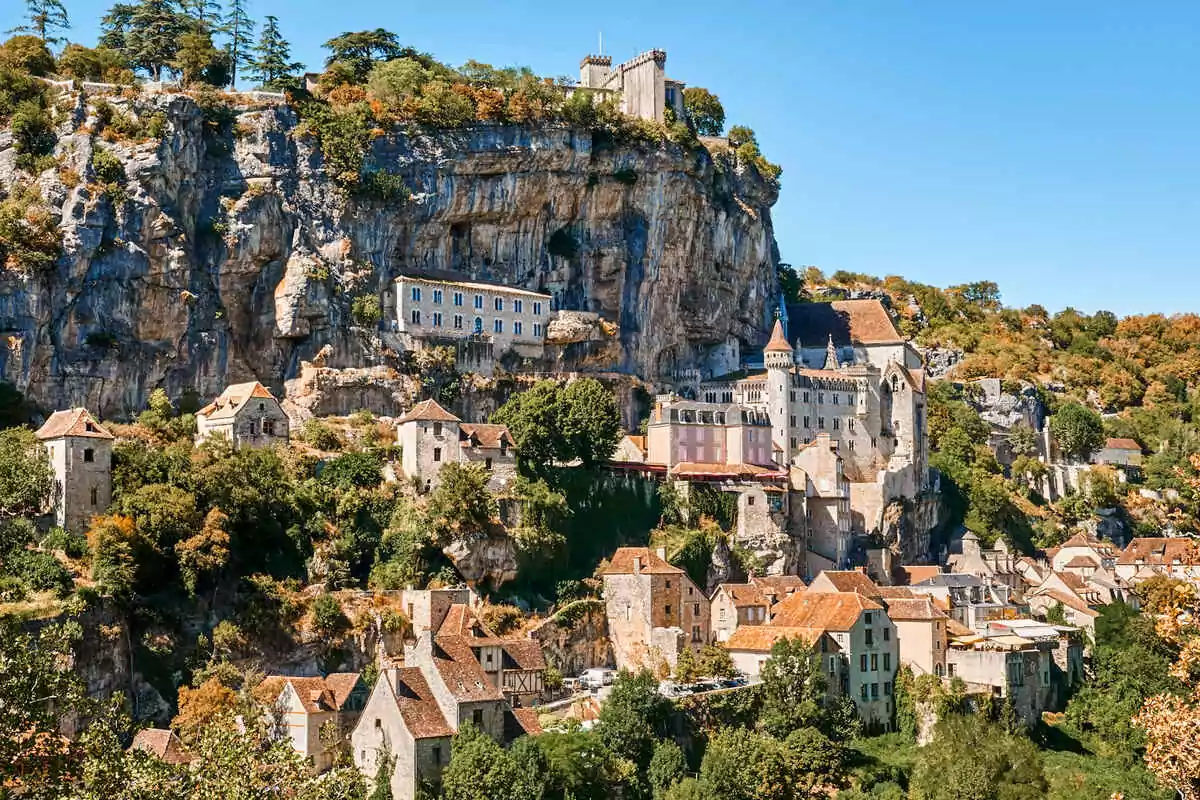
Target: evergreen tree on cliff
<point>240,29</point>
<point>271,68</point>
<point>205,12</point>
<point>147,33</point>
<point>45,18</point>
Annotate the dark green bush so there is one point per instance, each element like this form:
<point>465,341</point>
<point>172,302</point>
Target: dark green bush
<point>33,133</point>
<point>626,176</point>
<point>328,619</point>
<point>107,168</point>
<point>40,571</point>
<point>366,310</point>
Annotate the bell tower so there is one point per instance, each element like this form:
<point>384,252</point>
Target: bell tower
<point>778,359</point>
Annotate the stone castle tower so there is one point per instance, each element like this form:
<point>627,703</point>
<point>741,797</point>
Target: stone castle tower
<point>81,455</point>
<point>778,359</point>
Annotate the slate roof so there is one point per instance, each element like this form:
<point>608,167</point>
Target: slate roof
<point>73,422</point>
<point>821,611</point>
<point>229,402</point>
<point>622,562</point>
<point>847,321</point>
<point>486,436</point>
<point>428,410</point>
<point>417,704</point>
<point>163,744</point>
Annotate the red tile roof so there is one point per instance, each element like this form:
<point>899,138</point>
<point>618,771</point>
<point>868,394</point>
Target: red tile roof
<point>778,342</point>
<point>163,744</point>
<point>1069,600</point>
<point>1080,562</point>
<point>1161,551</point>
<point>913,609</point>
<point>489,436</point>
<point>778,584</point>
<point>418,705</point>
<point>75,422</point>
<point>1122,444</point>
<point>761,638</point>
<point>428,410</point>
<point>822,611</point>
<point>744,595</point>
<point>909,574</point>
<point>695,468</point>
<point>235,396</point>
<point>316,694</point>
<point>461,672</point>
<point>849,581</point>
<point>651,563</point>
<point>528,719</point>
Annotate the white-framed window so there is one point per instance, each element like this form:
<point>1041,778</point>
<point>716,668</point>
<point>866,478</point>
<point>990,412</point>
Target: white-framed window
<point>821,423</point>
<point>498,303</point>
<point>518,306</point>
<point>537,307</point>
<point>537,330</point>
<point>479,301</point>
<point>416,316</point>
<point>498,326</point>
<point>458,298</point>
<point>458,321</point>
<point>437,319</point>
<point>516,329</point>
<point>416,294</point>
<point>850,424</point>
<point>806,397</point>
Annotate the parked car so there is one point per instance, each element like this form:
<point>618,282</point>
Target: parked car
<point>596,678</point>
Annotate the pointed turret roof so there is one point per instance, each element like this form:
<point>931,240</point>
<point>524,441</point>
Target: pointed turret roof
<point>778,342</point>
<point>831,359</point>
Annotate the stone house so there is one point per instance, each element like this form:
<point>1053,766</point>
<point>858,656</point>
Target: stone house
<point>80,452</point>
<point>1084,555</point>
<point>997,564</point>
<point>1145,557</point>
<point>856,639</point>
<point>514,665</point>
<point>971,600</point>
<point>737,604</point>
<point>316,714</point>
<point>818,475</point>
<point>654,609</point>
<point>431,437</point>
<point>921,630</point>
<point>1119,452</point>
<point>246,414</point>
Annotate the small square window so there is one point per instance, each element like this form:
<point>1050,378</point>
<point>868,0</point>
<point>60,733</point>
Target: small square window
<point>89,455</point>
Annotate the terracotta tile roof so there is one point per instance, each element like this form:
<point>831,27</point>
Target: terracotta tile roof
<point>1080,562</point>
<point>1161,551</point>
<point>822,611</point>
<point>778,585</point>
<point>461,620</point>
<point>847,321</point>
<point>462,624</point>
<point>908,574</point>
<point>74,422</point>
<point>744,595</point>
<point>1083,539</point>
<point>722,470</point>
<point>527,718</point>
<point>229,402</point>
<point>622,562</point>
<point>460,671</point>
<point>428,410</point>
<point>341,684</point>
<point>163,744</point>
<point>316,694</point>
<point>956,628</point>
<point>896,592</point>
<point>525,653</point>
<point>489,436</point>
<point>778,342</point>
<point>913,609</point>
<point>638,441</point>
<point>1122,444</point>
<point>418,704</point>
<point>849,581</point>
<point>1069,600</point>
<point>761,638</point>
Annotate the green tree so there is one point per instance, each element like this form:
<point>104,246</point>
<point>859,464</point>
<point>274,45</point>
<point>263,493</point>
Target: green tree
<point>1078,431</point>
<point>328,619</point>
<point>740,135</point>
<point>1022,439</point>
<point>147,33</point>
<point>360,468</point>
<point>705,110</point>
<point>461,507</point>
<point>740,764</point>
<point>198,61</point>
<point>240,29</point>
<point>634,717</point>
<point>793,686</point>
<point>206,12</point>
<point>46,18</point>
<point>667,767</point>
<point>272,67</point>
<point>206,552</point>
<point>590,421</point>
<point>26,479</point>
<point>359,51</point>
<point>480,769</point>
<point>532,418</point>
<point>971,758</point>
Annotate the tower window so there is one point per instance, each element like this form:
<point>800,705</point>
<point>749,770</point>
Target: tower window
<point>89,455</point>
<point>95,496</point>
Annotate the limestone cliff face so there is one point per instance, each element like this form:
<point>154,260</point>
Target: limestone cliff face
<point>234,257</point>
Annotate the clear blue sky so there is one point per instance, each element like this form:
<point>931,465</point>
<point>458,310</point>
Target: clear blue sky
<point>1049,146</point>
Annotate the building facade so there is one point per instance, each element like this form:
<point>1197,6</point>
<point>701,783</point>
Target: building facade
<point>641,84</point>
<point>493,318</point>
<point>80,451</point>
<point>309,709</point>
<point>431,437</point>
<point>245,414</point>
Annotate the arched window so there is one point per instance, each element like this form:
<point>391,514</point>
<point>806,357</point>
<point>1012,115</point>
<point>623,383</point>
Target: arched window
<point>479,324</point>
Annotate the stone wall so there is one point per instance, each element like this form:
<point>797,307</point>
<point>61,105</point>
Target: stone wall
<point>576,641</point>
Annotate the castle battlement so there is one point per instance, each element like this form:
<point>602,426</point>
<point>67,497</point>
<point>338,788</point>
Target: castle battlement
<point>598,61</point>
<point>657,56</point>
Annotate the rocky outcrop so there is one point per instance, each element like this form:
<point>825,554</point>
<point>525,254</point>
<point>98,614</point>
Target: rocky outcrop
<point>576,638</point>
<point>910,526</point>
<point>1003,407</point>
<point>491,560</point>
<point>230,255</point>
